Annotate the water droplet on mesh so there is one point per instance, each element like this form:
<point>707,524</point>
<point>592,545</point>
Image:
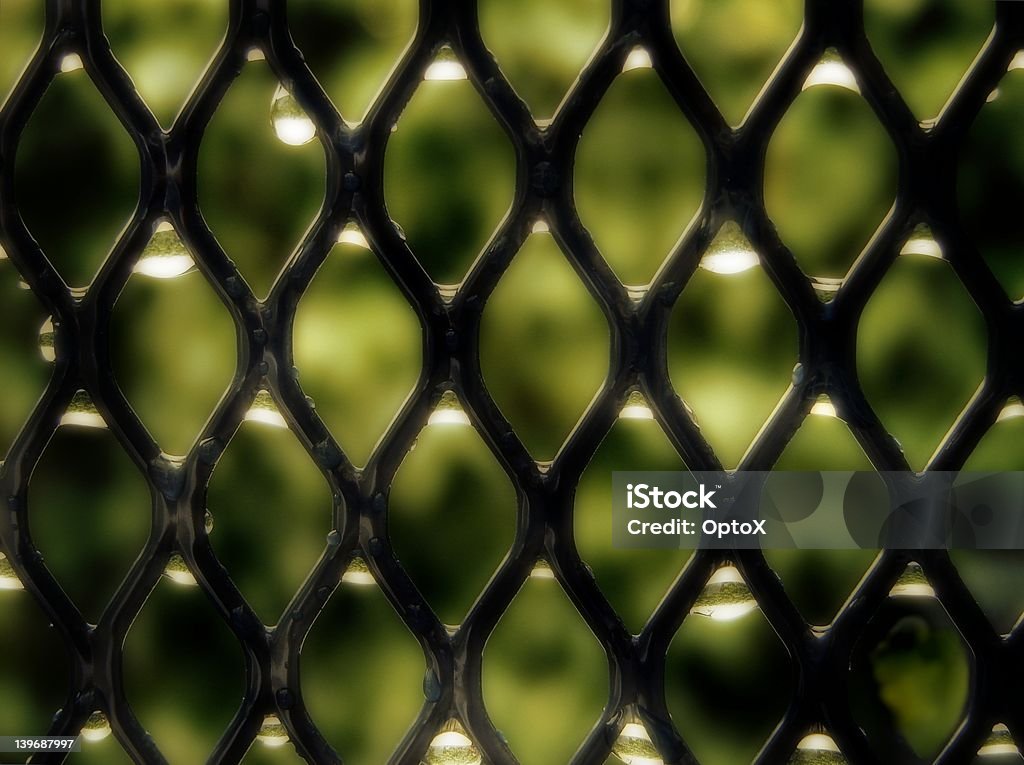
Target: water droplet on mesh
<point>730,252</point>
<point>448,411</point>
<point>452,747</point>
<point>46,340</point>
<point>817,749</point>
<point>8,579</point>
<point>999,743</point>
<point>165,257</point>
<point>913,583</point>
<point>96,728</point>
<point>832,70</point>
<point>272,733</point>
<point>446,66</point>
<point>264,410</point>
<point>358,572</point>
<point>725,597</point>
<point>72,62</point>
<point>352,234</point>
<point>638,58</point>
<point>922,242</point>
<point>291,123</point>
<point>82,412</point>
<point>634,746</point>
<point>636,408</point>
<point>177,571</point>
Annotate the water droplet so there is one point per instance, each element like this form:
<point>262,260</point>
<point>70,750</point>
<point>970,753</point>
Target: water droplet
<point>636,408</point>
<point>452,747</point>
<point>46,340</point>
<point>264,410</point>
<point>208,521</point>
<point>922,242</point>
<point>824,407</point>
<point>999,742</point>
<point>542,570</point>
<point>832,70</point>
<point>255,54</point>
<point>291,123</point>
<point>730,252</point>
<point>72,62</point>
<point>352,234</point>
<point>634,746</point>
<point>358,572</point>
<point>725,597</point>
<point>82,412</point>
<point>177,571</point>
<point>817,749</point>
<point>825,287</point>
<point>540,226</point>
<point>448,411</point>
<point>446,66</point>
<point>638,58</point>
<point>448,291</point>
<point>912,584</point>
<point>96,728</point>
<point>1017,62</point>
<point>165,257</point>
<point>272,733</point>
<point>1012,409</point>
<point>8,579</point>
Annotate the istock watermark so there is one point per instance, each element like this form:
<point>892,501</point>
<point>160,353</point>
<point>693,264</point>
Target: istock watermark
<point>818,510</point>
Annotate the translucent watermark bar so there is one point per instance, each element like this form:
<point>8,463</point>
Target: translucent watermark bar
<point>833,510</point>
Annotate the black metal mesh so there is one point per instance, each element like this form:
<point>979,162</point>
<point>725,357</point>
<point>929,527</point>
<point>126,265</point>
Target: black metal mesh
<point>355,158</point>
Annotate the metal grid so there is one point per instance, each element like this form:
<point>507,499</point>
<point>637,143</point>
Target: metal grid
<point>820,658</point>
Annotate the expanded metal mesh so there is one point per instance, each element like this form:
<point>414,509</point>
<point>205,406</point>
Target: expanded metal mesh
<point>355,160</point>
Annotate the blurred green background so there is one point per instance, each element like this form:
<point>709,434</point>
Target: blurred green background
<point>449,176</point>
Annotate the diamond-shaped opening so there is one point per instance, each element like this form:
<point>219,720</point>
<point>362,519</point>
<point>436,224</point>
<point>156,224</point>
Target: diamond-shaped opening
<point>19,36</point>
<point>34,669</point>
<point>272,509</point>
<point>990,183</point>
<point>452,517</point>
<point>728,681</point>
<point>449,172</point>
<point>993,578</point>
<point>183,672</point>
<point>543,346</point>
<point>359,637</point>
<point>926,46</point>
<point>358,346</point>
<point>824,196</point>
<point>732,346</point>
<point>172,345</point>
<point>261,174</point>
<point>542,47</point>
<point>735,45</point>
<point>352,47</point>
<point>77,174</point>
<point>819,581</point>
<point>634,581</point>
<point>910,672</point>
<point>545,675</point>
<point>165,46</point>
<point>89,514</point>
<point>639,174</point>
<point>23,353</point>
<point>921,352</point>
